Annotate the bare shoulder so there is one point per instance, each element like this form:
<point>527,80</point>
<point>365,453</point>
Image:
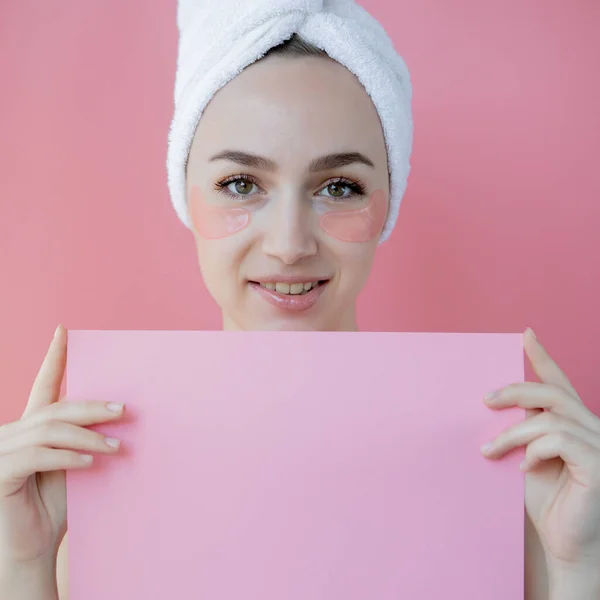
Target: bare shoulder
<point>62,572</point>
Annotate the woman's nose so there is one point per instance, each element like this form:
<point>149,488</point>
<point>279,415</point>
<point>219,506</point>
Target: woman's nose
<point>289,236</point>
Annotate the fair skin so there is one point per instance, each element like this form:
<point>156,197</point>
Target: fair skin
<point>291,124</point>
<point>293,112</point>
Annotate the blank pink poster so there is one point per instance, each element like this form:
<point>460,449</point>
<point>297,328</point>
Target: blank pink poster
<point>297,466</point>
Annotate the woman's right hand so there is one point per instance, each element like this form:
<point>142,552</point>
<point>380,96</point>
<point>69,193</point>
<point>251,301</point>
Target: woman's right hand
<point>35,451</point>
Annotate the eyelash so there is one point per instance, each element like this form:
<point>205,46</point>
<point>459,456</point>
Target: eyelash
<point>221,186</point>
<point>357,187</point>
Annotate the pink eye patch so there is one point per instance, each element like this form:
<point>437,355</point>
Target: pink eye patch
<point>361,225</point>
<point>215,222</point>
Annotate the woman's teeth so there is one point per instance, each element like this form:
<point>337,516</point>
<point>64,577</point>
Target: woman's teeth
<point>293,289</point>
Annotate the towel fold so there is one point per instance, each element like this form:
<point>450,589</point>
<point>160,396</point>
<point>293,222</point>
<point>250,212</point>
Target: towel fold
<point>219,38</point>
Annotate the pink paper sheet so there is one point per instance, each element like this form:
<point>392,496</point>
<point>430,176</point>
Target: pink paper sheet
<point>297,466</point>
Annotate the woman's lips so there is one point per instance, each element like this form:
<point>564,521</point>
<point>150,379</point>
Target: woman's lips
<point>293,302</point>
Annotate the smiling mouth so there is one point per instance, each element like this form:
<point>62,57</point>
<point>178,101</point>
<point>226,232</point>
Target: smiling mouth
<point>291,289</point>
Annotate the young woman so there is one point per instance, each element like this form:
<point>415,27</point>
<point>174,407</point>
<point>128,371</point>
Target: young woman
<point>288,198</point>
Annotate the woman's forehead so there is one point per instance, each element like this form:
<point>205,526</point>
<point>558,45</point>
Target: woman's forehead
<point>307,105</point>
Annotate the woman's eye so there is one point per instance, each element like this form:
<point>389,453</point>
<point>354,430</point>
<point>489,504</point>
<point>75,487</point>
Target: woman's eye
<point>241,187</point>
<point>336,190</point>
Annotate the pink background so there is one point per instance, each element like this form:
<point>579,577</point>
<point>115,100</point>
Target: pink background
<point>498,231</point>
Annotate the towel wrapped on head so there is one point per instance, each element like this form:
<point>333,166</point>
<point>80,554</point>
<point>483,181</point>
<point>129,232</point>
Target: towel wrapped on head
<point>219,38</point>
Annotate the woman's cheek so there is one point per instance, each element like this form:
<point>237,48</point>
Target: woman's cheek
<point>360,225</point>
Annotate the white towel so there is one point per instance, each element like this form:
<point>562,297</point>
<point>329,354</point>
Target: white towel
<point>219,38</point>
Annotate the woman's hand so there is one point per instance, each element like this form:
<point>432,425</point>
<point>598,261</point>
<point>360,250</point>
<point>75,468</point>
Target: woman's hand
<point>562,465</point>
<point>35,451</point>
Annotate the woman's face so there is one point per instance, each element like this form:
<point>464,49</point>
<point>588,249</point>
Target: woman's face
<point>288,190</point>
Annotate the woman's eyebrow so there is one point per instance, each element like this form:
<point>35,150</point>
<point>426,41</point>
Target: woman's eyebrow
<point>246,160</point>
<point>323,163</point>
<point>333,161</point>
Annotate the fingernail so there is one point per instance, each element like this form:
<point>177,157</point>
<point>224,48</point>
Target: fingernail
<point>56,332</point>
<point>523,465</point>
<point>86,458</point>
<point>114,407</point>
<point>532,333</point>
<point>112,442</point>
<point>486,447</point>
<point>491,395</point>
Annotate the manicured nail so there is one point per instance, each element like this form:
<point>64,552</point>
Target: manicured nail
<point>486,447</point>
<point>56,332</point>
<point>86,458</point>
<point>112,442</point>
<point>532,333</point>
<point>114,407</point>
<point>491,395</point>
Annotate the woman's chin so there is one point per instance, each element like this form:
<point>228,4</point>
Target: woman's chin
<point>283,325</point>
<point>271,321</point>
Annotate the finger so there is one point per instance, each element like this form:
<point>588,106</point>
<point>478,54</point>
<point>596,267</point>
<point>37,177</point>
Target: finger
<point>46,386</point>
<point>56,434</point>
<point>16,467</point>
<point>527,431</point>
<point>532,412</point>
<point>532,395</point>
<point>580,458</point>
<point>544,366</point>
<point>83,414</point>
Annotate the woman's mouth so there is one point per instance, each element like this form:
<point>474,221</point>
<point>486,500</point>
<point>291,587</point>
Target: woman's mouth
<point>294,289</point>
<point>296,296</point>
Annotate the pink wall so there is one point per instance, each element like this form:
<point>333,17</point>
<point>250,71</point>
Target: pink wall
<point>499,229</point>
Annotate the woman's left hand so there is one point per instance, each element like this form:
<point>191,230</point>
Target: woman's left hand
<point>562,465</point>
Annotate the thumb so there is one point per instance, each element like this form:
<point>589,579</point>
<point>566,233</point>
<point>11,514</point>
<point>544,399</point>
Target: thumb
<point>544,365</point>
<point>46,387</point>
